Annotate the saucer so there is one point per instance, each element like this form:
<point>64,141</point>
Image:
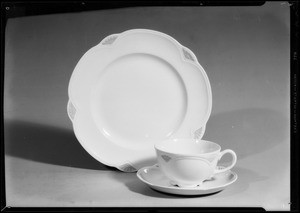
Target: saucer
<point>155,179</point>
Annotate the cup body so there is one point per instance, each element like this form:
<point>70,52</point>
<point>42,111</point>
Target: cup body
<point>188,162</point>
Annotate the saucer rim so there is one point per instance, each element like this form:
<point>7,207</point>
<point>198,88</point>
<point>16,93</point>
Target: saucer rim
<point>184,188</point>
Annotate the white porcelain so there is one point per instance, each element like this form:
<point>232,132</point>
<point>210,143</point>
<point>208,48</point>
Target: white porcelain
<point>155,178</point>
<point>132,90</point>
<point>189,162</point>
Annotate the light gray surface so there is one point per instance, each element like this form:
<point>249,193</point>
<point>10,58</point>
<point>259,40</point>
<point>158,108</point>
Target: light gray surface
<point>245,52</point>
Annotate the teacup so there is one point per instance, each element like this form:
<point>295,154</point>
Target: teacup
<point>189,162</point>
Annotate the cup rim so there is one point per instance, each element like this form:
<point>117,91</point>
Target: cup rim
<point>182,154</point>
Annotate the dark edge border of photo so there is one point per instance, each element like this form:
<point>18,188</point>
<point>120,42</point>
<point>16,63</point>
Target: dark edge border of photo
<point>294,116</point>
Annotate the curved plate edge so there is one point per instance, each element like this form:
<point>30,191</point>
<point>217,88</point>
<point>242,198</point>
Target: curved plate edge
<point>111,39</point>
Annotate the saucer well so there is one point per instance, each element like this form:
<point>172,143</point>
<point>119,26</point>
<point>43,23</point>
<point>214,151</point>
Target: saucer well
<point>155,179</point>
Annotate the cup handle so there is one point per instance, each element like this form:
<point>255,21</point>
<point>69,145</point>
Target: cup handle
<point>234,158</point>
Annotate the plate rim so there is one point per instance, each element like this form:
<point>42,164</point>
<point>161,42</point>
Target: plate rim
<point>100,45</point>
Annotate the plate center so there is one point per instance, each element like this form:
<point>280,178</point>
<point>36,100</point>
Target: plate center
<point>138,99</point>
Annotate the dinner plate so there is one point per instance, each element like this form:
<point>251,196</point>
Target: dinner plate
<point>132,90</point>
<point>155,179</point>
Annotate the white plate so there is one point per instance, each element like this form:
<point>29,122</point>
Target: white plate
<point>133,90</point>
<point>154,178</point>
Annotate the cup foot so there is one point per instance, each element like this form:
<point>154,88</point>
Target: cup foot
<point>183,185</point>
